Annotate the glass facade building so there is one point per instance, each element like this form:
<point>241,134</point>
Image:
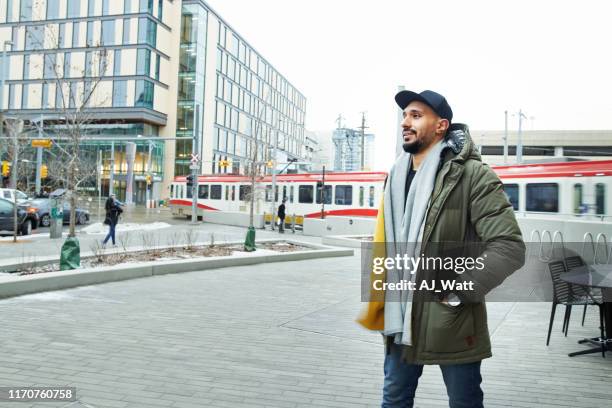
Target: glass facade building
<point>142,68</point>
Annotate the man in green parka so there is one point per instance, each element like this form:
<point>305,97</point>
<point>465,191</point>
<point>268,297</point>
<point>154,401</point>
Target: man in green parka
<point>439,196</point>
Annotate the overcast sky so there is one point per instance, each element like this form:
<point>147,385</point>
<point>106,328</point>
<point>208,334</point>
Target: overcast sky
<point>553,59</point>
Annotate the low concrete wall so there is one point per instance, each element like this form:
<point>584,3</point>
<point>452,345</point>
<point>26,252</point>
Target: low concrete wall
<point>13,285</point>
<point>350,241</point>
<point>339,226</point>
<point>232,218</point>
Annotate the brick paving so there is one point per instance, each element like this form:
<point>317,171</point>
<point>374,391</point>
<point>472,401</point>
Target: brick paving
<point>280,335</point>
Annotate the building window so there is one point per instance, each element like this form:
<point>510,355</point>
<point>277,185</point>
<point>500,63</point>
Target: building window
<point>90,34</point>
<point>157,66</point>
<point>25,92</point>
<point>50,60</point>
<point>542,197</point>
<point>75,34</point>
<point>305,194</point>
<point>108,32</point>
<point>147,31</point>
<point>67,65</point>
<point>512,192</point>
<point>105,7</point>
<point>143,62</point>
<point>74,8</point>
<point>144,94</point>
<point>117,63</point>
<point>91,9</point>
<point>146,6</point>
<point>119,93</point>
<point>45,96</point>
<point>127,6</point>
<point>52,9</point>
<point>160,10</point>
<point>25,11</point>
<point>26,67</point>
<point>34,37</point>
<point>126,31</point>
<point>600,199</point>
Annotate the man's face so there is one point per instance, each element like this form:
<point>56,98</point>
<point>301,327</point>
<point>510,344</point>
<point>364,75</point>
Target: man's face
<point>421,127</point>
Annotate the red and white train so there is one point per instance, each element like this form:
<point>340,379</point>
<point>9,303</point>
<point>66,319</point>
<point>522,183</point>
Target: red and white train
<point>557,190</point>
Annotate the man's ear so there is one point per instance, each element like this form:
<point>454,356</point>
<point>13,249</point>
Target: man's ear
<point>443,125</point>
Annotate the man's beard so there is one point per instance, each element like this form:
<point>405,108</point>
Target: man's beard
<point>413,147</point>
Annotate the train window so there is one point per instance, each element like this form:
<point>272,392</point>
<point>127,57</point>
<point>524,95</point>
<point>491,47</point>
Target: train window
<point>276,195</point>
<point>233,193</point>
<point>578,206</point>
<point>268,193</point>
<point>203,191</point>
<point>284,192</point>
<point>344,195</point>
<point>189,191</point>
<point>227,193</point>
<point>327,194</point>
<point>512,192</point>
<point>172,190</point>
<point>179,192</point>
<point>361,195</point>
<point>215,192</point>
<point>291,194</point>
<point>305,194</point>
<point>600,198</point>
<point>244,193</point>
<point>371,196</point>
<point>543,197</point>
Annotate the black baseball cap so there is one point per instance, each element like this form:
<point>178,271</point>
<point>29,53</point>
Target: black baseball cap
<point>433,99</point>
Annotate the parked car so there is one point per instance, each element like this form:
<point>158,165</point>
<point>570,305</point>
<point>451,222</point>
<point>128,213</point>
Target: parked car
<point>42,207</point>
<point>27,219</point>
<point>10,194</point>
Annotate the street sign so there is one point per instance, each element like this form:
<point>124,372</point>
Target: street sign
<point>44,143</point>
<point>194,167</point>
<point>195,158</point>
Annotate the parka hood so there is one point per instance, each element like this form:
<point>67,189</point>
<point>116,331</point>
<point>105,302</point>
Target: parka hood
<point>459,143</point>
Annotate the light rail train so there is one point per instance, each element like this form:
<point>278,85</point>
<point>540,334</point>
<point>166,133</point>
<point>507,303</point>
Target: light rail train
<point>561,190</point>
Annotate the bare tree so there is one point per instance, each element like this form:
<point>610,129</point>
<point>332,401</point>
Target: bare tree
<point>79,90</point>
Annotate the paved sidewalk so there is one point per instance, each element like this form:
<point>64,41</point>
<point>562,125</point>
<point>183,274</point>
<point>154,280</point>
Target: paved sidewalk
<point>279,335</point>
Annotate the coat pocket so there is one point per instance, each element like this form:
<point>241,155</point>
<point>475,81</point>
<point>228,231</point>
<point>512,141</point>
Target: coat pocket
<point>450,329</point>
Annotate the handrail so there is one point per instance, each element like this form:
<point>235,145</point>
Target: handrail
<point>605,242</point>
<point>541,255</point>
<point>561,241</point>
<point>587,234</point>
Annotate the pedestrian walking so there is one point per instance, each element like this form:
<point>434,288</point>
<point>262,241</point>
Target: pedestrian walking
<point>281,216</point>
<point>439,196</point>
<point>113,211</point>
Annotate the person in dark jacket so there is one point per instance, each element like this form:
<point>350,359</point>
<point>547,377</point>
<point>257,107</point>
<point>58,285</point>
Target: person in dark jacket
<point>439,196</point>
<point>113,210</point>
<point>281,216</point>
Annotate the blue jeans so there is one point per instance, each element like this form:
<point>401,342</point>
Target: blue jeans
<point>111,234</point>
<point>401,380</point>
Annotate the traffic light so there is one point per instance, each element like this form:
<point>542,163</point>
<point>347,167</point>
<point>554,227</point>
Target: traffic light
<point>6,168</point>
<point>270,164</point>
<point>224,163</point>
<point>44,171</point>
<point>189,180</point>
<point>148,179</point>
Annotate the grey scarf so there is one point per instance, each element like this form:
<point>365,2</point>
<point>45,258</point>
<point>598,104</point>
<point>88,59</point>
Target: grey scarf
<point>403,233</point>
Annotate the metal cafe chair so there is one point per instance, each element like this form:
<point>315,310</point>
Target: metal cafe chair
<point>563,294</point>
<point>594,296</point>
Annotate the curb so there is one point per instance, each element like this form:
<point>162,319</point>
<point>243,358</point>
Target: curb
<point>350,241</point>
<point>11,286</point>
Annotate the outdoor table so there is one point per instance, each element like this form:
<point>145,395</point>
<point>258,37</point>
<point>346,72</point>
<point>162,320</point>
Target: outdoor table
<point>595,276</point>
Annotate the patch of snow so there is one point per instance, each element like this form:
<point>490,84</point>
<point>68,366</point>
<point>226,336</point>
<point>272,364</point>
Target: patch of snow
<point>100,229</point>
